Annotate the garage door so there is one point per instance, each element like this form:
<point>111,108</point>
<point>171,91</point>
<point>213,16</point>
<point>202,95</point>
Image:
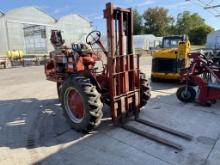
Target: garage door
<point>35,39</point>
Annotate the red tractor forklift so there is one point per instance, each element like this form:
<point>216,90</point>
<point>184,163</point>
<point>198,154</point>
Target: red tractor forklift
<point>83,90</point>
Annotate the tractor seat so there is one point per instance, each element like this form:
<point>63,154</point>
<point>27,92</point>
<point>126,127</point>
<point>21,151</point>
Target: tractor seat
<point>81,48</point>
<point>214,85</point>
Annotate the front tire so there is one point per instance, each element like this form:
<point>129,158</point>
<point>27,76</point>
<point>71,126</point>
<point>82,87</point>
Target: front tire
<point>186,96</point>
<point>81,103</point>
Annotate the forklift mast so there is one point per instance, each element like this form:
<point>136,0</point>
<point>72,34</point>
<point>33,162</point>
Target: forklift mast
<point>124,76</point>
<point>122,64</point>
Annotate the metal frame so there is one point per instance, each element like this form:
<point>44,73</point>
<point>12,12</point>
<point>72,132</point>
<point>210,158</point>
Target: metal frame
<point>124,76</point>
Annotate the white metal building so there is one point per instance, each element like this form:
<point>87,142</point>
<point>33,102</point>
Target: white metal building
<point>143,42</point>
<point>74,27</point>
<point>213,40</point>
<point>1,13</point>
<point>28,29</point>
<point>146,41</point>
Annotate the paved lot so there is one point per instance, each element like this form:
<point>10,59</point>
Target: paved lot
<point>33,131</point>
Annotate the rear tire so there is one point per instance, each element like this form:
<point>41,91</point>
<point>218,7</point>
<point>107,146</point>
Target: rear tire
<point>89,98</point>
<point>186,96</point>
<point>145,90</point>
<point>59,88</point>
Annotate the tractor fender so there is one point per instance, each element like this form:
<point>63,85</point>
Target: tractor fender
<point>94,81</point>
<point>88,75</point>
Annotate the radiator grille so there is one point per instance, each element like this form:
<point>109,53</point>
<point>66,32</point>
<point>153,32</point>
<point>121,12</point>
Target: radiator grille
<point>164,65</point>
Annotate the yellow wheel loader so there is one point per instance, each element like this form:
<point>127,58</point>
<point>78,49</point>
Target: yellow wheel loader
<point>170,58</point>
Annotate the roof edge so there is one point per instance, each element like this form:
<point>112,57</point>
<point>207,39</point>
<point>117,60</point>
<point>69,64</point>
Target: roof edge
<point>44,12</point>
<point>41,10</point>
<point>75,14</point>
<point>216,31</point>
<point>2,13</point>
<point>35,7</point>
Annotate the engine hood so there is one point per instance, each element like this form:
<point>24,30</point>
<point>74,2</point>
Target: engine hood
<point>166,53</point>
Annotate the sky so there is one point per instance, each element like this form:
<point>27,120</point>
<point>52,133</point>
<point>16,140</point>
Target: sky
<point>93,9</point>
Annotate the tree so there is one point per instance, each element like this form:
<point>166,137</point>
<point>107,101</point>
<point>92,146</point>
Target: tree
<point>194,26</point>
<point>172,28</point>
<point>187,21</point>
<point>157,21</point>
<point>198,35</point>
<point>137,22</point>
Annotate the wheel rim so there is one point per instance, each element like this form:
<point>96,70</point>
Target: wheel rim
<point>186,94</point>
<point>74,105</point>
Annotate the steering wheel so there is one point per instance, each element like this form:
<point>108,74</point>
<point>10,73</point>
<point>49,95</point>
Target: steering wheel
<point>93,37</point>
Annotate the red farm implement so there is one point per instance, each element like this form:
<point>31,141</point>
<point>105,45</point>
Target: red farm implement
<point>204,74</point>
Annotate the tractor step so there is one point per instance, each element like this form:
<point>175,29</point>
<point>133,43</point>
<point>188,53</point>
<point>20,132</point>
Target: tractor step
<point>157,138</point>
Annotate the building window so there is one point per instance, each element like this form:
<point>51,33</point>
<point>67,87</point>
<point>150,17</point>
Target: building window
<point>35,39</point>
